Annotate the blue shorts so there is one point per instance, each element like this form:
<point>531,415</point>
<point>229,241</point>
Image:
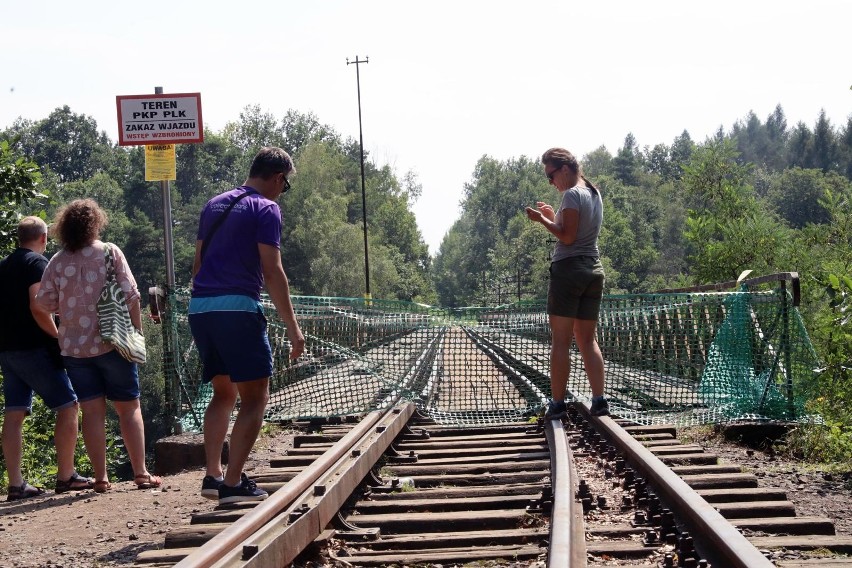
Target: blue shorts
<point>33,370</point>
<point>109,375</point>
<point>232,343</point>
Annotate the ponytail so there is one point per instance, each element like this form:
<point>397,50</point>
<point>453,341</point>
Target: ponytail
<point>590,185</point>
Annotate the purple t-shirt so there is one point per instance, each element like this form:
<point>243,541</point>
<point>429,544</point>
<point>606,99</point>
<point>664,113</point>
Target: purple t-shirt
<point>231,263</point>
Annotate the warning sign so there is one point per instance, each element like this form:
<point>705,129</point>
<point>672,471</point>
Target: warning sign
<point>159,119</point>
<point>160,162</point>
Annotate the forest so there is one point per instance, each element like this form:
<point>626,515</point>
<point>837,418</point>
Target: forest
<point>761,195</point>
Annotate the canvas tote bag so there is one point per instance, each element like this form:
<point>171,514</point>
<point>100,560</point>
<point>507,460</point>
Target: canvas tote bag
<point>114,320</point>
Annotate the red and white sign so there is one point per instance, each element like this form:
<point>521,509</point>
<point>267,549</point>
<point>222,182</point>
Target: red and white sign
<point>159,119</point>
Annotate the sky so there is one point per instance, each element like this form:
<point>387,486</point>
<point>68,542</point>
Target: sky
<point>447,82</point>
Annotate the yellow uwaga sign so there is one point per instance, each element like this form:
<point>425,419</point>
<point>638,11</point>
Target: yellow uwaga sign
<point>160,163</point>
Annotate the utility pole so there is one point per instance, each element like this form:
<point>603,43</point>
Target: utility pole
<point>167,224</point>
<point>357,64</point>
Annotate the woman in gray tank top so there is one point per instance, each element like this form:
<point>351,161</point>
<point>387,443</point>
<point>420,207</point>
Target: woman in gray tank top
<point>576,277</point>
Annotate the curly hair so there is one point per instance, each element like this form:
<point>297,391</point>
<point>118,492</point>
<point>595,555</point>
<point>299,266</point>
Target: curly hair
<point>79,224</point>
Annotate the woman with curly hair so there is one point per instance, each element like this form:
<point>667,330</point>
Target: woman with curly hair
<point>71,285</point>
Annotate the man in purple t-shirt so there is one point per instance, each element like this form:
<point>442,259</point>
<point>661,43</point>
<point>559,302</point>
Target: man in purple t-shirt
<point>236,255</point>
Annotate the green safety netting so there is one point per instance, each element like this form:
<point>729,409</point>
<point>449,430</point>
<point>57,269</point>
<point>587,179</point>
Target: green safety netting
<point>687,358</point>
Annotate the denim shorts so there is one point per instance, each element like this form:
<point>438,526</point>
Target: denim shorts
<point>109,375</point>
<point>576,287</point>
<point>34,370</point>
<point>232,343</point>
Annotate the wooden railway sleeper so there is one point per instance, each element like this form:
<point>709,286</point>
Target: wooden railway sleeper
<point>728,546</point>
<point>374,435</point>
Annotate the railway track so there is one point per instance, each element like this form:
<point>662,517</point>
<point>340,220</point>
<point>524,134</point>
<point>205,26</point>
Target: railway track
<point>398,488</point>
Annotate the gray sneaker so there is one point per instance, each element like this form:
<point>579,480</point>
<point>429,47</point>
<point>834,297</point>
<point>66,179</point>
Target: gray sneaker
<point>600,407</point>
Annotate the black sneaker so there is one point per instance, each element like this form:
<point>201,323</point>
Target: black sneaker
<point>555,410</point>
<point>600,407</point>
<point>210,487</point>
<point>247,490</point>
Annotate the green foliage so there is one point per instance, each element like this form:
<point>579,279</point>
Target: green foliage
<point>761,196</point>
<point>729,230</point>
<point>19,179</point>
<point>831,441</point>
<point>796,194</point>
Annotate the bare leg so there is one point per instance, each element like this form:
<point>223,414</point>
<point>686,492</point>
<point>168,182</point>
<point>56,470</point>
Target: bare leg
<point>562,330</point>
<point>216,421</point>
<point>133,433</point>
<point>94,435</point>
<point>13,425</point>
<point>584,334</point>
<point>65,439</point>
<point>253,398</point>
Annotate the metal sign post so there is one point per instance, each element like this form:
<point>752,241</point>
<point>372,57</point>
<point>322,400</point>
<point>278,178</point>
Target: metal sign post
<point>159,120</point>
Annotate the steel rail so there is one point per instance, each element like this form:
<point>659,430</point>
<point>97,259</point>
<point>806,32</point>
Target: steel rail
<point>567,529</point>
<point>283,538</point>
<point>236,533</point>
<point>727,545</point>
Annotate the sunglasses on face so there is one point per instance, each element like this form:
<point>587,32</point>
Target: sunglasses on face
<point>286,184</point>
<point>552,174</point>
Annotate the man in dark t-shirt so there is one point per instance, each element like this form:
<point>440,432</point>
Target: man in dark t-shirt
<point>30,362</point>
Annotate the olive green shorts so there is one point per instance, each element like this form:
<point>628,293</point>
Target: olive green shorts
<point>576,287</point>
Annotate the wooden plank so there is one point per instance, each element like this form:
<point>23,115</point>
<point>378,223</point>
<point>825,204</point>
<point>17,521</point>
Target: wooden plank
<point>787,525</point>
<point>472,449</point>
<point>450,539</point>
<point>485,457</point>
<point>463,555</point>
<point>806,542</point>
<point>749,494</point>
<point>719,481</point>
<point>480,479</point>
<point>704,469</point>
<point>751,509</point>
<point>192,535</point>
<point>165,556</point>
<point>620,549</point>
<point>437,505</point>
<point>413,470</point>
<point>450,492</point>
<point>693,459</point>
<point>436,522</point>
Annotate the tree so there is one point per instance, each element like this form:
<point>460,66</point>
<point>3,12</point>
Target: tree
<point>729,230</point>
<point>69,144</point>
<point>627,161</point>
<point>752,140</point>
<point>777,136</point>
<point>19,179</point>
<point>825,145</point>
<point>598,163</point>
<point>845,150</point>
<point>797,195</point>
<point>801,147</point>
